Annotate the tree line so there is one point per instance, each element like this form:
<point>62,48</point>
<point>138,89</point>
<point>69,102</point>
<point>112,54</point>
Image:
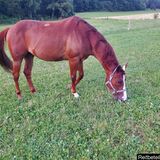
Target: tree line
<point>114,5</point>
<point>37,9</point>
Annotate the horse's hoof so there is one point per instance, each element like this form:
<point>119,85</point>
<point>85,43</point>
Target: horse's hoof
<point>19,97</point>
<point>76,95</point>
<point>33,90</point>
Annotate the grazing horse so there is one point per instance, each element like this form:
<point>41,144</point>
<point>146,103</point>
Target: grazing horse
<point>71,39</point>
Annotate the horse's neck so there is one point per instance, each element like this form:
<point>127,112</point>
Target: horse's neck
<point>106,56</point>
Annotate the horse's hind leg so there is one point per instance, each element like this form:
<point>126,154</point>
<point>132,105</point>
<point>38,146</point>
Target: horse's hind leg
<point>16,70</point>
<point>28,69</point>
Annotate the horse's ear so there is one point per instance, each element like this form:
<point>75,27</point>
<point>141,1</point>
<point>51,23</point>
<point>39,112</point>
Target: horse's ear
<point>125,66</point>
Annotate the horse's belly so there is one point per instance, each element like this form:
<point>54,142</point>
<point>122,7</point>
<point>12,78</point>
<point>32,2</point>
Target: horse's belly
<point>51,56</point>
<point>49,52</point>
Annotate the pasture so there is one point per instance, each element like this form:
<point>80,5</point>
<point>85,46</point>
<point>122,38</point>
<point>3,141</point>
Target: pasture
<point>52,124</point>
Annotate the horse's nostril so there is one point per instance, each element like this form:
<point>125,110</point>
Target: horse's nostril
<point>121,100</point>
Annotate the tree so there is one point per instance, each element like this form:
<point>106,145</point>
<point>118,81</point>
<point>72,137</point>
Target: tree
<point>10,8</point>
<point>30,8</point>
<point>3,7</point>
<point>43,8</point>
<point>61,8</point>
<point>139,4</point>
<point>81,5</point>
<point>107,5</point>
<point>153,4</point>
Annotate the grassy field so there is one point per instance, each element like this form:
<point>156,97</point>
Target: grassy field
<point>89,15</point>
<point>52,124</point>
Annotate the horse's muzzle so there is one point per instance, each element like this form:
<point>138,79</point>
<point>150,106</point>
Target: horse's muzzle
<point>120,99</point>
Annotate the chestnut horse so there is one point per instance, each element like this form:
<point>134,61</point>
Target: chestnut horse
<point>71,39</point>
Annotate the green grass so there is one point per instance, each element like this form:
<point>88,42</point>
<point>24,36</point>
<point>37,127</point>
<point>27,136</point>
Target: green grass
<point>53,125</point>
<point>89,15</point>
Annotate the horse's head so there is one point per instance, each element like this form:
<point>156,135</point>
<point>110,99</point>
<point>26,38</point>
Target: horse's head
<point>116,83</point>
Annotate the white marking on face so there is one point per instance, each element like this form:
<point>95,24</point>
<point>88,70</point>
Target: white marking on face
<point>124,88</point>
<point>47,24</point>
<point>76,95</point>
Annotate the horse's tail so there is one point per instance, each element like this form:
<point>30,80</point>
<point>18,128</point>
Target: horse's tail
<point>5,62</point>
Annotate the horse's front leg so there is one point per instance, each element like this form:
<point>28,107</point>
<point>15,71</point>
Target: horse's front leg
<point>81,73</point>
<point>27,71</point>
<point>74,63</point>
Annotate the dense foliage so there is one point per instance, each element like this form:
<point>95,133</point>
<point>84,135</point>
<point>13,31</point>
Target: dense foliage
<point>64,8</point>
<point>115,5</point>
<point>36,8</point>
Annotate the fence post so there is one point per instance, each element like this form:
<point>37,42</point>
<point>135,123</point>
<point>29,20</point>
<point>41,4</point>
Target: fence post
<point>129,24</point>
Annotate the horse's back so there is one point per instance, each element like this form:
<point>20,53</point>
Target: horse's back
<point>24,25</point>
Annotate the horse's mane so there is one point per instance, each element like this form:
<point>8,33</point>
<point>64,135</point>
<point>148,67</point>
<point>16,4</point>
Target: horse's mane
<point>97,39</point>
<point>91,32</point>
